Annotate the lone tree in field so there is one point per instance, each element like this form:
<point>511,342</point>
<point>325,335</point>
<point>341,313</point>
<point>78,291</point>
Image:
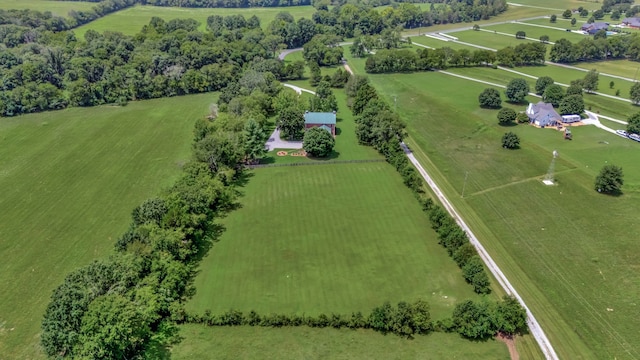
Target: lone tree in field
<point>633,125</point>
<point>521,35</point>
<point>490,98</point>
<point>553,18</point>
<point>506,116</point>
<point>553,94</point>
<point>609,180</point>
<point>476,27</point>
<point>611,84</point>
<point>567,14</point>
<point>544,39</point>
<point>510,141</point>
<point>573,22</point>
<point>516,90</point>
<point>634,93</point>
<point>590,81</point>
<point>542,83</point>
<point>318,142</point>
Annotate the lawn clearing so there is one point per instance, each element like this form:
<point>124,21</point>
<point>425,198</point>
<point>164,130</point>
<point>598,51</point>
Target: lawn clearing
<point>487,39</point>
<point>536,31</point>
<point>435,43</point>
<point>626,68</point>
<point>71,179</point>
<point>59,8</point>
<point>576,274</point>
<point>306,343</point>
<point>327,238</point>
<point>131,20</point>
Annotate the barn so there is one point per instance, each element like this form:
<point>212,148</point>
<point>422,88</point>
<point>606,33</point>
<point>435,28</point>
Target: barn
<point>324,120</point>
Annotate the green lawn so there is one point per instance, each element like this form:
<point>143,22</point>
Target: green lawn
<point>536,31</point>
<point>304,343</point>
<point>59,8</point>
<point>130,21</point>
<point>626,68</point>
<point>327,238</point>
<point>494,41</point>
<point>70,180</point>
<point>435,43</point>
<point>571,252</point>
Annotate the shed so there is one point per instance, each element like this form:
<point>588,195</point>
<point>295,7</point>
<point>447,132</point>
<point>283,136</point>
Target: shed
<point>567,119</point>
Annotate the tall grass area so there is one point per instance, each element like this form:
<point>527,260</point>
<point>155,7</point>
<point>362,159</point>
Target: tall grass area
<point>58,8</point>
<point>306,343</point>
<point>570,252</point>
<point>70,180</point>
<point>131,20</point>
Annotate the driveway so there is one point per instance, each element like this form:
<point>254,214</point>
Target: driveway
<point>275,142</point>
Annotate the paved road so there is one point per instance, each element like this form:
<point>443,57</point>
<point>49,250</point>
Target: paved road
<point>286,52</point>
<point>534,326</point>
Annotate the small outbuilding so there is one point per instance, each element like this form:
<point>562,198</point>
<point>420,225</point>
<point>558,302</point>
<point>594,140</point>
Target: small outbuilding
<point>633,22</point>
<point>593,28</point>
<point>568,119</point>
<point>323,120</point>
<point>542,114</point>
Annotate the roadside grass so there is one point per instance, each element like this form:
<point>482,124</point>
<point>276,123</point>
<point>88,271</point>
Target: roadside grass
<point>535,31</point>
<point>131,20</point>
<point>306,343</point>
<point>71,179</point>
<point>59,8</point>
<point>329,238</point>
<point>576,273</point>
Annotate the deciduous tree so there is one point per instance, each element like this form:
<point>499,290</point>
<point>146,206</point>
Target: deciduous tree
<point>490,98</point>
<point>506,116</point>
<point>517,90</point>
<point>634,93</point>
<point>572,104</point>
<point>510,141</point>
<point>318,142</point>
<point>633,125</point>
<point>553,94</point>
<point>542,83</point>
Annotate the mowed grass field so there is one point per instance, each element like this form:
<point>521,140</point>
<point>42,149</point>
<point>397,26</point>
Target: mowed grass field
<point>327,238</point>
<point>203,342</point>
<point>131,20</point>
<point>571,252</point>
<point>59,8</point>
<point>536,31</point>
<point>70,180</point>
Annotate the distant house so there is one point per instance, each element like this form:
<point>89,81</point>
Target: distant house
<point>632,22</point>
<point>542,114</point>
<point>593,28</point>
<point>323,120</point>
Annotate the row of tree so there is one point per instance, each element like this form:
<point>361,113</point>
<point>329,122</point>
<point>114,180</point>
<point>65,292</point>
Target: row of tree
<point>127,304</point>
<point>471,319</point>
<point>405,60</point>
<point>592,49</point>
<point>226,3</point>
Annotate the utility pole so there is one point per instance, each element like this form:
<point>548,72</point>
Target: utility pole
<point>464,185</point>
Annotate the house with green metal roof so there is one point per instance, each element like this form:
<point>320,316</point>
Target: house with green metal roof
<point>323,120</point>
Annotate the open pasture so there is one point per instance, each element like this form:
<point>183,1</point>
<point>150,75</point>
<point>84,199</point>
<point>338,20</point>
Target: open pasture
<point>625,68</point>
<point>71,179</point>
<point>131,20</point>
<point>327,238</point>
<point>305,343</point>
<point>435,43</point>
<point>59,8</point>
<point>559,5</point>
<point>487,39</point>
<point>570,251</point>
<point>535,32</point>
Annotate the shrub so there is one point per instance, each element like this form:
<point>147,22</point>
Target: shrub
<point>506,116</point>
<point>609,180</point>
<point>490,98</point>
<point>510,141</point>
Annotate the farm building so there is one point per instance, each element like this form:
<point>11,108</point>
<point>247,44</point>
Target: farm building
<point>632,22</point>
<point>542,114</point>
<point>593,28</point>
<point>324,120</point>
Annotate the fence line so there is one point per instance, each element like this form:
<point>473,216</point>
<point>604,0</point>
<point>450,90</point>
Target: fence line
<point>328,162</point>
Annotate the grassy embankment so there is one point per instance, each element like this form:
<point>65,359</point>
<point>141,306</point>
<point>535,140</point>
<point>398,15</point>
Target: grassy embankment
<point>71,179</point>
<point>571,260</point>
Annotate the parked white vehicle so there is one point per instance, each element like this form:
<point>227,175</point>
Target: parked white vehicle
<point>622,133</point>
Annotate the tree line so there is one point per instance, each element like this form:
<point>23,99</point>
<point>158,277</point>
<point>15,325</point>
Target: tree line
<point>592,49</point>
<point>164,59</point>
<point>128,305</point>
<point>406,60</point>
<point>472,319</point>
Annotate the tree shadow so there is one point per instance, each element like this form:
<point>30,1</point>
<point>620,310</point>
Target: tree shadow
<point>508,125</point>
<point>334,155</point>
